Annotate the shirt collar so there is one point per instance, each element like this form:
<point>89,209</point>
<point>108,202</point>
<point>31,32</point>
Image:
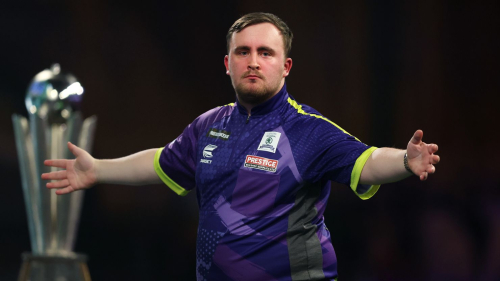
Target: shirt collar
<point>273,103</point>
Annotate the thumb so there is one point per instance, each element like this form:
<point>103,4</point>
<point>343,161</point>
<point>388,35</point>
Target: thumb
<point>74,149</point>
<point>417,137</point>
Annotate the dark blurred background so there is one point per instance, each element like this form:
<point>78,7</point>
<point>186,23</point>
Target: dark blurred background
<point>379,70</point>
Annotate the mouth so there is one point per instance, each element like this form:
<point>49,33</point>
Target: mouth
<point>252,76</point>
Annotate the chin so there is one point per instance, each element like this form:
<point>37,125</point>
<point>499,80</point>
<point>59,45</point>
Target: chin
<point>252,95</point>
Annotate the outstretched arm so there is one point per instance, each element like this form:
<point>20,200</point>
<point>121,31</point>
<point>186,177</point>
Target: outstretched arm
<point>386,164</point>
<point>85,171</point>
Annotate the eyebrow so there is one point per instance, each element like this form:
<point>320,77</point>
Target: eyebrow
<point>270,50</point>
<point>259,49</point>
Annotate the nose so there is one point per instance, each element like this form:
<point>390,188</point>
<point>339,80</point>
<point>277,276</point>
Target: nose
<point>253,64</point>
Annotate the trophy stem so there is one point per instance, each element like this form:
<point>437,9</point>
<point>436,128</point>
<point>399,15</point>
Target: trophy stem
<point>83,140</point>
<point>25,151</point>
<point>58,224</point>
<point>40,138</point>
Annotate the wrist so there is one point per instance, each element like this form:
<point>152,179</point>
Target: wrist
<point>405,164</point>
<point>97,175</point>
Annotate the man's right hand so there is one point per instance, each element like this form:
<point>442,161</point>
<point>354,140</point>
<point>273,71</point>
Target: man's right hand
<point>77,174</point>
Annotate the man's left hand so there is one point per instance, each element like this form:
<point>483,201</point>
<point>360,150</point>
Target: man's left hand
<point>421,157</point>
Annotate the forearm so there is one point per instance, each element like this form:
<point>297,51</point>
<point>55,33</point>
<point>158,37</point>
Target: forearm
<point>384,165</point>
<point>135,169</point>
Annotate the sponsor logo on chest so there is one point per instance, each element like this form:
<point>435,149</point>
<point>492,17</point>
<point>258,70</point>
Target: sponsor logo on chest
<point>208,153</point>
<point>218,134</point>
<point>261,163</point>
<point>269,142</point>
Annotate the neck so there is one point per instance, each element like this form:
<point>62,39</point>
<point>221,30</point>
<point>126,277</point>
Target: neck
<point>249,106</point>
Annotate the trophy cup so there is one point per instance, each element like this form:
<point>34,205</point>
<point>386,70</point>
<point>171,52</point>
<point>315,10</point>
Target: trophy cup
<point>53,101</point>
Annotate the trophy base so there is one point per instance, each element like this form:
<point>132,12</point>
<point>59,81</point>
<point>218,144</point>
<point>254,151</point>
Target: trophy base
<point>45,268</point>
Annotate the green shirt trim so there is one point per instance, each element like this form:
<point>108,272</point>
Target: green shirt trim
<point>166,179</point>
<point>356,174</point>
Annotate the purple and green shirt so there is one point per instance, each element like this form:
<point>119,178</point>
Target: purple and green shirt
<point>262,183</point>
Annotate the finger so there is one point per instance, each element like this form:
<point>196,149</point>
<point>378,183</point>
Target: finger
<point>66,190</point>
<point>74,149</point>
<point>59,175</point>
<point>417,137</point>
<point>432,148</point>
<point>423,176</point>
<point>435,159</point>
<point>58,184</point>
<point>59,163</point>
<point>431,170</point>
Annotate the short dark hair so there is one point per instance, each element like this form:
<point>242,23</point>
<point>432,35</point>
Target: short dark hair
<point>256,18</point>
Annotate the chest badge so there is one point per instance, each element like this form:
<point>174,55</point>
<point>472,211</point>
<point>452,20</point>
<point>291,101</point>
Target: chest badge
<point>269,142</point>
<point>261,163</point>
<point>207,153</point>
<point>218,134</point>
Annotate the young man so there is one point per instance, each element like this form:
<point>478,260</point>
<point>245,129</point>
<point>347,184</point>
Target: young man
<point>262,167</point>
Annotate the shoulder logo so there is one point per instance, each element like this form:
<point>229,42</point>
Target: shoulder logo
<point>218,134</point>
<point>208,153</point>
<point>269,142</point>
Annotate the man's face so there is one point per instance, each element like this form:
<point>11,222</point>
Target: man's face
<point>256,63</point>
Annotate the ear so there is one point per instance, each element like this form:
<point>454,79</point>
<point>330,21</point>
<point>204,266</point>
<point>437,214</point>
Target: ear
<point>226,63</point>
<point>287,67</point>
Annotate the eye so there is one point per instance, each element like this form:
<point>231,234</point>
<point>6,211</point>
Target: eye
<point>266,54</point>
<point>243,53</point>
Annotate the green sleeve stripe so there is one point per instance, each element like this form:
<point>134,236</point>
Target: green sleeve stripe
<point>166,179</point>
<point>356,174</point>
<point>301,111</point>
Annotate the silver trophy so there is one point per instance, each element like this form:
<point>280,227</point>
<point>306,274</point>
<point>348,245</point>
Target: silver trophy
<point>53,101</point>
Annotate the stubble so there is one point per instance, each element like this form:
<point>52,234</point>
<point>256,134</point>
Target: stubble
<point>254,93</point>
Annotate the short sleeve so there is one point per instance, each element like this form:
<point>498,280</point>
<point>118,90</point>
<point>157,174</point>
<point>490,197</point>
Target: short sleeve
<point>333,154</point>
<point>175,163</point>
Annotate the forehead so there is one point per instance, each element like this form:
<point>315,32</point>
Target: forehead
<point>258,35</point>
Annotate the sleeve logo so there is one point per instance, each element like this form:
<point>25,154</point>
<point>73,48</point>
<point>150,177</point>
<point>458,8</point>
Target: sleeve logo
<point>261,163</point>
<point>269,142</point>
